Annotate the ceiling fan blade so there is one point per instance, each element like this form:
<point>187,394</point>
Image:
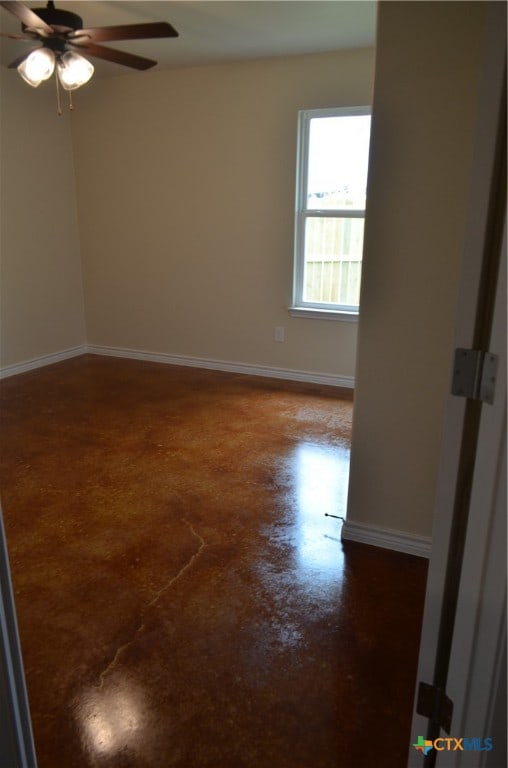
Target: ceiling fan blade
<point>15,64</point>
<point>126,32</point>
<point>17,37</point>
<point>27,17</point>
<point>111,54</point>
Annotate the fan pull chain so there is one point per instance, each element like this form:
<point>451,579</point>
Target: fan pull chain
<point>58,101</point>
<point>58,104</point>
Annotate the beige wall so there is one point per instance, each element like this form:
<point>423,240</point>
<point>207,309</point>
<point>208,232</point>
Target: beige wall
<point>41,299</point>
<point>425,105</point>
<point>186,203</point>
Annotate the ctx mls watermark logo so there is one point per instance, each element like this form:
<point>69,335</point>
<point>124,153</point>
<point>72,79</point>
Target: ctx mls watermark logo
<point>451,744</point>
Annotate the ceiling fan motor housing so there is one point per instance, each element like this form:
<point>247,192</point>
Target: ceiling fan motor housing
<point>59,19</point>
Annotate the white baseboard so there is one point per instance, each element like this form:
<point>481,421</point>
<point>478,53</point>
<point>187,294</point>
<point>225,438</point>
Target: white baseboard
<point>346,382</point>
<point>40,362</point>
<point>387,538</point>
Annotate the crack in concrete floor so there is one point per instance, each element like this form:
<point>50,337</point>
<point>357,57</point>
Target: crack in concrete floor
<point>153,601</point>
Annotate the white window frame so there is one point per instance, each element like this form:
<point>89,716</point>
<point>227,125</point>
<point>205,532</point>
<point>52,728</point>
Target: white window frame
<point>301,308</point>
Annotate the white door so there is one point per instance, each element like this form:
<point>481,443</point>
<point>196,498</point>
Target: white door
<point>476,676</point>
<point>479,644</point>
<point>16,740</point>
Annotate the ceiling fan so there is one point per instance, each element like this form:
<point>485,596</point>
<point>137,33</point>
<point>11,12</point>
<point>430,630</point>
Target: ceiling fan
<point>62,38</point>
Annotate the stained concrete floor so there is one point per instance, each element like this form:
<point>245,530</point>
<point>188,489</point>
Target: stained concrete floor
<point>182,598</point>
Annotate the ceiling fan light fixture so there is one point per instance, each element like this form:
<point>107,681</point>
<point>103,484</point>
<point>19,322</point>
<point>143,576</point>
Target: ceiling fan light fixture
<point>38,66</point>
<point>59,32</point>
<point>73,70</point>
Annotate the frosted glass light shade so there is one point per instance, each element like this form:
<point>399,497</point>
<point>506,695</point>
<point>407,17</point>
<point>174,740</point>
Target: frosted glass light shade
<point>38,66</point>
<point>73,70</point>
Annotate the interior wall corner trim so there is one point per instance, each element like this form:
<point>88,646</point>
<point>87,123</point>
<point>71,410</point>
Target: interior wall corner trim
<point>43,360</point>
<point>400,541</point>
<point>328,379</point>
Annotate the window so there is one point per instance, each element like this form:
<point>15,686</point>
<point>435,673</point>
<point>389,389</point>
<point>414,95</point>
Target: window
<point>333,152</point>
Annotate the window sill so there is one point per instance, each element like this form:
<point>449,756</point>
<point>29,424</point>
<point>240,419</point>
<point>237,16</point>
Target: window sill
<point>324,314</point>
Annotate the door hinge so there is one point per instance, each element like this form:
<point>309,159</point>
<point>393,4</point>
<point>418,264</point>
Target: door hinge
<point>474,375</point>
<point>432,702</point>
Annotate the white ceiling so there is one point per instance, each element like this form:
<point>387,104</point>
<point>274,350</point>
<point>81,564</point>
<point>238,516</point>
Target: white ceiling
<point>212,32</point>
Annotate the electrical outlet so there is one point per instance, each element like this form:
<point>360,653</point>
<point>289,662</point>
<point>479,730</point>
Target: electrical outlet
<point>278,333</point>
